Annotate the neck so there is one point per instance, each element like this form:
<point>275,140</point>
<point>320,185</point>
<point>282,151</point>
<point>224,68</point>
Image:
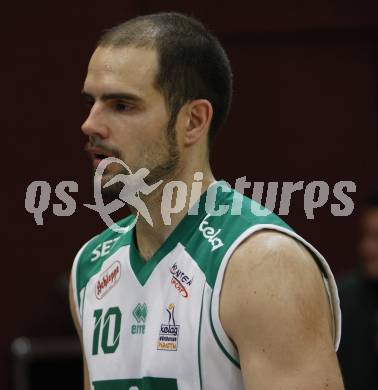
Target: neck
<point>167,206</point>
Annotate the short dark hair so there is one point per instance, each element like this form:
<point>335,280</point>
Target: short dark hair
<point>192,62</point>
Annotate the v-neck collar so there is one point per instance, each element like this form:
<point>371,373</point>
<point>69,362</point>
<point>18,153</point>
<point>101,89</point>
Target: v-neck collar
<point>143,269</point>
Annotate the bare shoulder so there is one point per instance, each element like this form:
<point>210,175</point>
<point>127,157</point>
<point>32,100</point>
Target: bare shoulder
<point>266,249</point>
<point>274,278</point>
<point>275,308</point>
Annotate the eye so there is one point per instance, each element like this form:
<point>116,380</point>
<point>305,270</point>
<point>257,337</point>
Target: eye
<point>122,106</point>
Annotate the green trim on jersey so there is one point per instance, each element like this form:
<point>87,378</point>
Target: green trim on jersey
<point>182,233</point>
<point>199,342</point>
<point>230,228</point>
<point>187,233</point>
<point>146,383</point>
<point>220,345</point>
<point>88,264</point>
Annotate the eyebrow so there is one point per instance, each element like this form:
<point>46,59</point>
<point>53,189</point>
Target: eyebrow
<point>115,96</point>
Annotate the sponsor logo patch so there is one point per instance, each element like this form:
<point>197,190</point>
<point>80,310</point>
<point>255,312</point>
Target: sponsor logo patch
<point>103,249</point>
<point>169,333</point>
<point>180,280</point>
<point>210,234</point>
<point>140,314</point>
<point>108,279</point>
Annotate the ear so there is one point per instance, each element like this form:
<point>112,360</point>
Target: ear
<point>199,114</point>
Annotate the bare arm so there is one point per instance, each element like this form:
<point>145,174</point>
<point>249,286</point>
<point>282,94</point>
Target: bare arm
<point>79,332</point>
<point>281,321</point>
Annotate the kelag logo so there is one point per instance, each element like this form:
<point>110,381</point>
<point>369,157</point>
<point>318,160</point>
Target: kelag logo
<point>169,333</point>
<point>210,234</point>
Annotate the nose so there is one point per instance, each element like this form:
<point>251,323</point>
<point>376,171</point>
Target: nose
<point>95,123</point>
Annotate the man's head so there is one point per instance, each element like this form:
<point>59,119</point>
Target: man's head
<point>157,85</point>
<point>369,240</point>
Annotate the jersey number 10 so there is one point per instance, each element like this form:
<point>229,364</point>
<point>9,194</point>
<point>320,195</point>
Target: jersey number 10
<point>107,328</point>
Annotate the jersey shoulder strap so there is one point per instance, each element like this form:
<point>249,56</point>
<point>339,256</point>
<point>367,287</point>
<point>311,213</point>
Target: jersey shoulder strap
<point>224,225</point>
<point>217,237</point>
<point>89,260</point>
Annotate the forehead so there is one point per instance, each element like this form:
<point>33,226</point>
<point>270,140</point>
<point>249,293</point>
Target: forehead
<point>129,69</point>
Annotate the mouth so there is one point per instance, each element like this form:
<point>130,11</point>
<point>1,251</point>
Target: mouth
<point>97,155</point>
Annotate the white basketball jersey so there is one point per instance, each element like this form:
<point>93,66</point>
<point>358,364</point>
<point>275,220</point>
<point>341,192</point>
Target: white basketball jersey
<point>155,325</point>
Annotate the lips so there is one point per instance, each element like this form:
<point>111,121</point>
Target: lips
<point>97,154</point>
<point>100,156</point>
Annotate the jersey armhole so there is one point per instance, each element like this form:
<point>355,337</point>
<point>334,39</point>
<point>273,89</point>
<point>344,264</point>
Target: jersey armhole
<point>220,335</point>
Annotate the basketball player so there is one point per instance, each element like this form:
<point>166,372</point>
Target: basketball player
<point>205,302</point>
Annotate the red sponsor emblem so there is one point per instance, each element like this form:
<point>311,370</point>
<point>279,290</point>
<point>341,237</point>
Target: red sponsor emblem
<point>180,280</point>
<point>179,287</point>
<point>108,279</point>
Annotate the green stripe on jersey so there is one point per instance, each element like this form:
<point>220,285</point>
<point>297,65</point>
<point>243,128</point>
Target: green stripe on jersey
<point>206,237</point>
<point>147,383</point>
